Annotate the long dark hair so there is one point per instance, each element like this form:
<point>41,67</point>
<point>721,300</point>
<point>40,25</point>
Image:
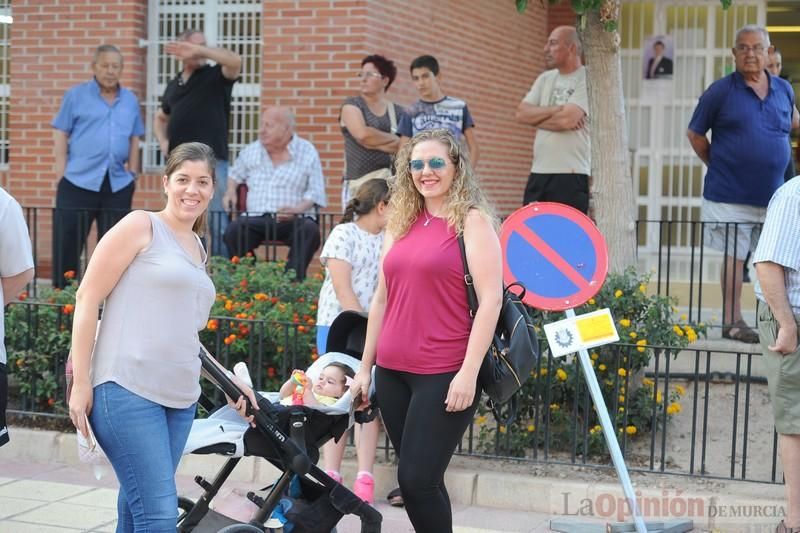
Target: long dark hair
<point>193,152</point>
<point>370,194</point>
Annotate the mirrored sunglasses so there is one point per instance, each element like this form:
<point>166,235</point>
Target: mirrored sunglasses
<point>434,163</point>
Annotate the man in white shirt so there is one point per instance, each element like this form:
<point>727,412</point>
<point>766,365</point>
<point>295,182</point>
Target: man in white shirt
<point>16,270</point>
<point>558,105</point>
<point>285,185</point>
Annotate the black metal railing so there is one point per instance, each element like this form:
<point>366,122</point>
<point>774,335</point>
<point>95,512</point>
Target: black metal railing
<point>721,429</point>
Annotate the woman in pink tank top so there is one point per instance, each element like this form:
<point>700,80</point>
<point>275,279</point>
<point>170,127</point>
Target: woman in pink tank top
<point>420,335</point>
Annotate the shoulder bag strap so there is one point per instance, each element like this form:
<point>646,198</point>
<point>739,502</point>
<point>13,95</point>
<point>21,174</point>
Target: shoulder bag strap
<point>472,298</point>
<point>392,116</point>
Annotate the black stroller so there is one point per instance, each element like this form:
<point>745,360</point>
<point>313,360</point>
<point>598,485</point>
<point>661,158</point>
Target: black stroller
<point>289,437</point>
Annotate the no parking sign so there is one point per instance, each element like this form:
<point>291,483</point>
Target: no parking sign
<point>560,256</point>
<point>556,252</point>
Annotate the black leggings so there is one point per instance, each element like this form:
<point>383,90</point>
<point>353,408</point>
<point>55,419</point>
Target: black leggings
<point>424,437</point>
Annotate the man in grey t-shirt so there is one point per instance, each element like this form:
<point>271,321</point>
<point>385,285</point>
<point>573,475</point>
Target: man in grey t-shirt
<point>558,106</point>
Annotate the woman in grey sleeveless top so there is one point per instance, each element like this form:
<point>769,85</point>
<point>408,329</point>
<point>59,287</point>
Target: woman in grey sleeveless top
<point>370,134</point>
<point>138,383</point>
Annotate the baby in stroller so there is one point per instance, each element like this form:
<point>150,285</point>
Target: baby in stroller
<point>289,437</point>
<point>330,386</point>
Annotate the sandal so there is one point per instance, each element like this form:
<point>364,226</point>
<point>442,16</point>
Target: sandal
<point>740,331</point>
<point>395,498</point>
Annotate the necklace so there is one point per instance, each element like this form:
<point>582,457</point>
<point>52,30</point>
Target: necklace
<point>427,218</point>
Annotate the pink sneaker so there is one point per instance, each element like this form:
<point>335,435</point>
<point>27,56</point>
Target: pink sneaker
<point>364,488</point>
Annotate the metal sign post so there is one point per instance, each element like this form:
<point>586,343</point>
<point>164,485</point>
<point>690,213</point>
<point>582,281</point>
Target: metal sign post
<point>560,256</point>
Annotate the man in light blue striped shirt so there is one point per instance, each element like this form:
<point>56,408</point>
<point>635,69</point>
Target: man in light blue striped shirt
<point>777,262</point>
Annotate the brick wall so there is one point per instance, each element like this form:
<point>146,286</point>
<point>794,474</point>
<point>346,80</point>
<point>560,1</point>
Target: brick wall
<point>51,50</point>
<point>311,51</point>
<point>489,54</point>
<point>560,14</point>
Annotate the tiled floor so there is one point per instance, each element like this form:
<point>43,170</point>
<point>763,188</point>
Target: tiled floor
<point>59,499</point>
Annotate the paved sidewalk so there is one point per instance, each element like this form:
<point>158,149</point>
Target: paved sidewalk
<point>59,498</point>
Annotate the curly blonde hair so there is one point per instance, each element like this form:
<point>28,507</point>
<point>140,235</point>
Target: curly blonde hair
<point>464,194</point>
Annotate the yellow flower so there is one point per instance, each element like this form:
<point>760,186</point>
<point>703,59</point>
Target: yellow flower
<point>643,288</point>
<point>531,428</point>
<point>641,342</point>
<point>543,372</point>
<point>640,349</point>
<point>621,398</point>
<point>684,318</point>
<point>533,373</point>
<point>502,429</point>
<point>602,367</point>
<point>622,372</point>
<point>554,407</point>
<point>680,389</point>
<point>591,301</point>
<point>621,409</point>
<point>633,335</point>
<point>678,331</point>
<point>561,375</point>
<point>625,323</point>
<point>673,408</point>
<point>595,429</point>
<point>480,420</point>
<point>630,430</point>
<point>622,389</point>
<point>659,397</point>
<point>594,356</point>
<point>691,337</point>
<point>617,293</point>
<point>647,382</point>
<point>592,363</point>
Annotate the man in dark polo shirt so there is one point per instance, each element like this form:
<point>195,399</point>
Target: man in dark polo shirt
<point>749,113</point>
<point>195,108</point>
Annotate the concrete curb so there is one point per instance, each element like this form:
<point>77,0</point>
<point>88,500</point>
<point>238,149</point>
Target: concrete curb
<point>721,505</point>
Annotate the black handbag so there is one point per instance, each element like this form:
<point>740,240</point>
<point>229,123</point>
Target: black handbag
<point>514,351</point>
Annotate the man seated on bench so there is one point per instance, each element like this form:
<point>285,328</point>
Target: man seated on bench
<point>285,185</point>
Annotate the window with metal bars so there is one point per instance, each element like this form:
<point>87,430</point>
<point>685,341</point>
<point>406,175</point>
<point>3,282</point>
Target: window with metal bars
<point>231,24</point>
<point>5,81</point>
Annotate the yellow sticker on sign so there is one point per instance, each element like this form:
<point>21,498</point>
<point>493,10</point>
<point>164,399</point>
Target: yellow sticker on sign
<point>593,328</point>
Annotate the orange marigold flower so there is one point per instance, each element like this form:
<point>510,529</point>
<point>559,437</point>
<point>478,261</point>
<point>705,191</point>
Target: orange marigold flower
<point>271,372</point>
<point>260,296</point>
<point>249,254</point>
<point>301,329</point>
<point>235,260</point>
<point>22,296</point>
<point>243,283</point>
<point>230,338</point>
<point>68,309</point>
<point>212,324</point>
<point>69,274</point>
<point>301,299</point>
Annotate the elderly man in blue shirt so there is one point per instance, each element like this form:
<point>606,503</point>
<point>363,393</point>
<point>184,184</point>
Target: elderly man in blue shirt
<point>749,113</point>
<point>97,134</point>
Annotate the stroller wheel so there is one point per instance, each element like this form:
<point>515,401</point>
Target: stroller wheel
<point>241,528</point>
<point>184,506</point>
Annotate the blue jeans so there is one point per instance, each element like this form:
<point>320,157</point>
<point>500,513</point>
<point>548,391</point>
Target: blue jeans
<point>322,339</point>
<point>144,442</point>
<point>217,215</point>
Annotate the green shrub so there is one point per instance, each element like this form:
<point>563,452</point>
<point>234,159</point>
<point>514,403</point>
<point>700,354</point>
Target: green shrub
<point>555,401</point>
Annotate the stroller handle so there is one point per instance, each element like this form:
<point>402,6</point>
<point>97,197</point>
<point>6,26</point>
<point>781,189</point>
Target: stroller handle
<point>294,456</point>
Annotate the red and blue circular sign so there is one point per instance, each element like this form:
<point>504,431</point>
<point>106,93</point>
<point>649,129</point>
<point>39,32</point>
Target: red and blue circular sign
<point>556,252</point>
